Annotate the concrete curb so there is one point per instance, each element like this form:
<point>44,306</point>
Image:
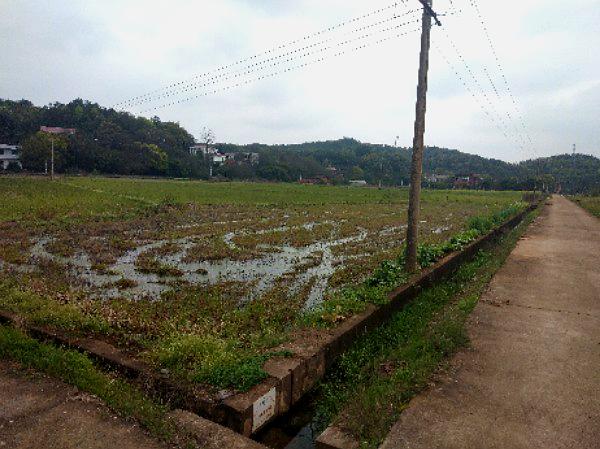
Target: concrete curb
<point>334,438</point>
<point>289,378</point>
<point>208,434</point>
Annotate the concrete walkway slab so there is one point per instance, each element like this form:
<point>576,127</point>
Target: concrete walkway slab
<point>37,412</point>
<point>531,378</point>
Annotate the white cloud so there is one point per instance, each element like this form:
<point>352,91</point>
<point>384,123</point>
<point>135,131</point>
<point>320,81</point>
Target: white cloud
<point>113,50</point>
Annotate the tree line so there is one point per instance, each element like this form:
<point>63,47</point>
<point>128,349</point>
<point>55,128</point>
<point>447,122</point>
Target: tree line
<point>115,142</point>
<point>106,141</point>
<point>346,159</point>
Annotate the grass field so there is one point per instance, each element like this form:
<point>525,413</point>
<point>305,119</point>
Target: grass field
<point>206,280</point>
<point>591,203</point>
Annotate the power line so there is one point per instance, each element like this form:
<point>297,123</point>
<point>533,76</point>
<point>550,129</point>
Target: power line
<point>506,128</point>
<point>500,68</point>
<point>280,72</point>
<point>262,65</point>
<point>468,89</point>
<point>270,51</point>
<point>479,86</point>
<point>291,59</point>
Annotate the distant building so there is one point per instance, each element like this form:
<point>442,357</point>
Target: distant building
<point>9,154</point>
<point>202,149</point>
<point>319,180</point>
<point>217,158</point>
<point>468,182</point>
<point>58,130</point>
<point>242,158</point>
<point>251,158</point>
<point>358,183</point>
<point>434,178</point>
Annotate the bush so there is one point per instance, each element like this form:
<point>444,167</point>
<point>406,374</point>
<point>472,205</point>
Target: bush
<point>14,167</point>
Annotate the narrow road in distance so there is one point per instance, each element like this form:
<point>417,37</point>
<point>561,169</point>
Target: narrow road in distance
<point>531,378</point>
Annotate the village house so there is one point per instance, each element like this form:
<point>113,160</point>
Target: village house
<point>9,154</point>
<point>434,178</point>
<point>209,153</point>
<point>468,182</point>
<point>202,149</point>
<point>251,158</point>
<point>242,158</point>
<point>318,180</point>
<point>217,158</point>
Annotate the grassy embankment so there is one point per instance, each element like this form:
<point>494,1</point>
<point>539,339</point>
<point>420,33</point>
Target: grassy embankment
<point>200,332</point>
<point>591,203</point>
<point>374,381</point>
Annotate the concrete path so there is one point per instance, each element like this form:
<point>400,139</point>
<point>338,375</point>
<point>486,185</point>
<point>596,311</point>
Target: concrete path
<point>532,376</point>
<point>37,412</point>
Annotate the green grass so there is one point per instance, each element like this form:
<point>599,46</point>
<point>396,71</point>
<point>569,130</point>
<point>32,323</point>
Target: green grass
<point>233,356</point>
<point>76,369</point>
<point>591,203</point>
<point>39,310</point>
<point>373,382</point>
<point>39,201</point>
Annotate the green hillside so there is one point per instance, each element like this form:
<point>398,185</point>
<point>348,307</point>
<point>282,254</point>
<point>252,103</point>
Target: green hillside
<point>112,142</point>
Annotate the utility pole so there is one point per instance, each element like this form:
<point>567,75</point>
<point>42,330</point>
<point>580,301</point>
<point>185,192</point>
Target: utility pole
<point>412,232</point>
<point>52,160</point>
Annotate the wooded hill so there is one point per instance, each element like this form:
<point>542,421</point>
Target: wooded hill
<point>106,141</point>
<point>112,142</point>
<point>348,158</point>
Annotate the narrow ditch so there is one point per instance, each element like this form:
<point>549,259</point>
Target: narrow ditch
<point>297,429</point>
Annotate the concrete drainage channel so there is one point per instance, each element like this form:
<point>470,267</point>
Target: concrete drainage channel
<point>260,412</point>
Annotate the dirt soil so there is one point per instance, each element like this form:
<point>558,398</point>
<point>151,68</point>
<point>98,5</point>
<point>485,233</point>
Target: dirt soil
<point>531,378</point>
<point>40,412</point>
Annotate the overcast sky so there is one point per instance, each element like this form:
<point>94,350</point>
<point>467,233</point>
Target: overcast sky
<point>111,50</point>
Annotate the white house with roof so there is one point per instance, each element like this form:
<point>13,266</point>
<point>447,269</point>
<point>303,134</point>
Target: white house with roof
<point>218,158</point>
<point>8,154</point>
<point>202,149</point>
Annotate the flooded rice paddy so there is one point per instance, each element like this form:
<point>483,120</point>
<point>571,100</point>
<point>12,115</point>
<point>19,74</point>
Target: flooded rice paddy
<point>289,248</point>
<point>314,263</point>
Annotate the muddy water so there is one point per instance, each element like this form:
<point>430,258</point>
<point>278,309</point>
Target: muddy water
<point>261,272</point>
<point>314,264</point>
<point>298,429</point>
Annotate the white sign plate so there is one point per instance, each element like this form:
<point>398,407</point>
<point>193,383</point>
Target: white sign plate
<point>263,409</point>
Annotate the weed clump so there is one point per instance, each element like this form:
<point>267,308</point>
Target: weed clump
<point>211,360</point>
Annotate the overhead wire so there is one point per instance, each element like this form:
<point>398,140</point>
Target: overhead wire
<point>270,51</point>
<point>505,128</point>
<point>274,58</point>
<point>469,90</point>
<point>263,64</point>
<point>501,69</point>
<point>285,70</point>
